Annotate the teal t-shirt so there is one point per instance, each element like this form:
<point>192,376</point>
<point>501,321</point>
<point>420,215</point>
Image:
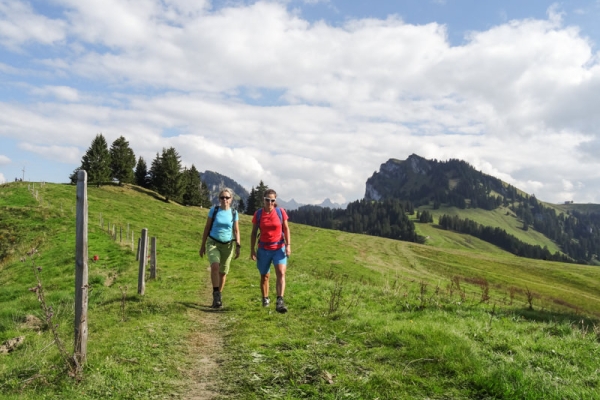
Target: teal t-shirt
<point>222,229</point>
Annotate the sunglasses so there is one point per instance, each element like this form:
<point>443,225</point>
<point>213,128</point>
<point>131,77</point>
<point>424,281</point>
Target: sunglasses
<point>224,198</point>
<point>270,200</point>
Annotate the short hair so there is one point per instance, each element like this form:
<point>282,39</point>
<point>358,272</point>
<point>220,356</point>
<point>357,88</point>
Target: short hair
<point>270,191</point>
<point>228,190</point>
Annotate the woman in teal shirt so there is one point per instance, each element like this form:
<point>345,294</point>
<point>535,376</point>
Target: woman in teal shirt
<point>220,240</point>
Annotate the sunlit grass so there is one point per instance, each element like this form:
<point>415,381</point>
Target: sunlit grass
<point>369,317</point>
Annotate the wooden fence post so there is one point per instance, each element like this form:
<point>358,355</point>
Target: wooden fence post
<point>153,258</point>
<point>81,270</point>
<point>137,256</point>
<point>143,260</point>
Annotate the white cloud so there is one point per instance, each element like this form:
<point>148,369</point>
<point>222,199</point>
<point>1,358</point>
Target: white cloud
<point>4,160</point>
<point>332,103</point>
<point>20,24</point>
<point>55,153</point>
<point>2,179</point>
<point>59,92</point>
<point>315,1</point>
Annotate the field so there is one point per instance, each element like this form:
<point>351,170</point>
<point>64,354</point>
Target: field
<point>370,318</point>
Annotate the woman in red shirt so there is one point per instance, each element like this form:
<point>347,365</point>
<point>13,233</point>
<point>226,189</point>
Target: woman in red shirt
<point>273,247</point>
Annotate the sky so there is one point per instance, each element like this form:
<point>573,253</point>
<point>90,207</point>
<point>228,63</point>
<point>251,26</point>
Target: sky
<point>308,96</point>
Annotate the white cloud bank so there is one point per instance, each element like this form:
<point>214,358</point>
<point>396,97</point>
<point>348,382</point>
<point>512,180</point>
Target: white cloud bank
<point>257,93</point>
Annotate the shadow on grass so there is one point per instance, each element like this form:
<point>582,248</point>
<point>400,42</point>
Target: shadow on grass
<point>146,192</point>
<point>130,298</point>
<point>551,316</point>
<point>204,307</point>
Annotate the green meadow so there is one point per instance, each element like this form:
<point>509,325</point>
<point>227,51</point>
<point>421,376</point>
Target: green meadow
<point>369,318</point>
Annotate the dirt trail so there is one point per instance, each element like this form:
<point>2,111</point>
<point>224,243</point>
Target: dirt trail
<point>205,349</point>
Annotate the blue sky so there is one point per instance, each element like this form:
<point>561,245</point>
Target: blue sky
<point>310,96</point>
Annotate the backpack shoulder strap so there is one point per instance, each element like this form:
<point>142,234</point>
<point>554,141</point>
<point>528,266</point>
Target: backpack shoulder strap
<point>213,218</point>
<point>279,214</point>
<point>258,215</point>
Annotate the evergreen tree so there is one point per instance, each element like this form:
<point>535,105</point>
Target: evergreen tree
<point>191,187</point>
<point>141,173</point>
<point>251,207</point>
<point>241,206</point>
<point>171,183</point>
<point>122,161</point>
<point>73,176</point>
<point>96,161</point>
<point>155,174</point>
<point>260,194</point>
<point>205,196</point>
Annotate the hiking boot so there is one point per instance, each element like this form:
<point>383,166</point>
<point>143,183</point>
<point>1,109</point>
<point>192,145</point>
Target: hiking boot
<point>280,307</point>
<point>266,302</point>
<point>216,300</point>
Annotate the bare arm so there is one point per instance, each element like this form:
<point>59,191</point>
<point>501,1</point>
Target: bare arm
<point>236,234</point>
<point>253,241</point>
<point>205,236</point>
<point>287,237</point>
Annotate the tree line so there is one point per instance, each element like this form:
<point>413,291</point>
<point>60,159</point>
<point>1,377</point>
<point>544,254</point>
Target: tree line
<point>499,237</point>
<point>166,175</point>
<point>577,233</point>
<point>387,218</point>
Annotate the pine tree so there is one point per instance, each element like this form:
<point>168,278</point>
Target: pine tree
<point>191,187</point>
<point>251,207</point>
<point>241,206</point>
<point>171,186</point>
<point>141,173</point>
<point>260,194</point>
<point>122,161</point>
<point>205,196</point>
<point>96,161</point>
<point>155,174</point>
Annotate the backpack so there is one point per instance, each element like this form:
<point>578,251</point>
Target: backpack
<point>233,214</point>
<point>280,215</point>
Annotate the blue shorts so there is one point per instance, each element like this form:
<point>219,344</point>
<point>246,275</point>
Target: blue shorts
<point>264,258</point>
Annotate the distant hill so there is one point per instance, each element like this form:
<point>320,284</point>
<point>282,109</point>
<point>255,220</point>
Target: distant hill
<point>454,196</point>
<point>293,205</point>
<point>216,181</point>
<point>421,181</point>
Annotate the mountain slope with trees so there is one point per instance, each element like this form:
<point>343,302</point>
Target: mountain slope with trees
<point>431,186</point>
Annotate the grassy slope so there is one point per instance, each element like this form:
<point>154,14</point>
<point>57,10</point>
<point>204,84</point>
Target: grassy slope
<point>502,218</point>
<point>369,317</point>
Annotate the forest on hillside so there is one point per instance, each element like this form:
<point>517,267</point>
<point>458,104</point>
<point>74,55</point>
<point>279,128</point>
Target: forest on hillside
<point>387,218</point>
<point>457,184</point>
